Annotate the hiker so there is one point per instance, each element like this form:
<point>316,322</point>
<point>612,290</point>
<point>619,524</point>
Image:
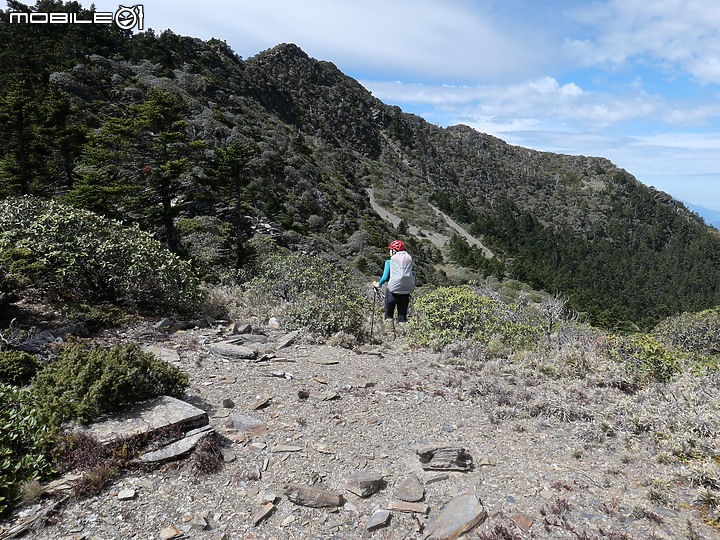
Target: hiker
<point>398,274</point>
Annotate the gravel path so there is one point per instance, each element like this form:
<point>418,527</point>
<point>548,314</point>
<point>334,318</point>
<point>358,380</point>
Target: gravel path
<point>368,410</point>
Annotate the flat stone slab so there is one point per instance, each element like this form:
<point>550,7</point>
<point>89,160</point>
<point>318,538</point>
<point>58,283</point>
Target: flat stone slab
<point>460,515</point>
<point>171,532</point>
<point>285,448</point>
<point>408,507</point>
<point>230,350</point>
<point>523,521</point>
<point>179,448</point>
<point>126,494</point>
<point>148,417</point>
<point>248,339</point>
<point>263,513</point>
<point>287,340</point>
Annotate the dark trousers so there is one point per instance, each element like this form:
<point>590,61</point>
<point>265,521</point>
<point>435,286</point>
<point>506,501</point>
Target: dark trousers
<point>401,301</point>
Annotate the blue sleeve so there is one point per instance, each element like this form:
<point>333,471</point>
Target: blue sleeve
<point>386,274</point>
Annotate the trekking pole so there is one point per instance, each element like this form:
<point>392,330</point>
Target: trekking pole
<point>372,314</point>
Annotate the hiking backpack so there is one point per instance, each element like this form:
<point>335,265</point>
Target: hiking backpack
<point>402,280</point>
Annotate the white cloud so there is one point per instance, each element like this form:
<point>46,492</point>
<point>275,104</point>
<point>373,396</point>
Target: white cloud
<point>674,35</point>
<point>419,40</point>
<point>690,141</point>
<point>534,102</point>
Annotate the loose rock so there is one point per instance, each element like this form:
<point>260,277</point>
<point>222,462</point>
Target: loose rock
<point>268,497</point>
<point>246,424</point>
<point>179,448</point>
<point>286,448</point>
<point>260,402</point>
<point>458,517</point>
<point>437,478</point>
<point>287,340</point>
<point>364,483</point>
<point>523,521</point>
<point>126,494</point>
<point>170,356</point>
<point>240,328</point>
<point>164,324</point>
<point>410,507</point>
<point>263,513</point>
<point>454,458</point>
<point>199,523</point>
<point>312,496</point>
<point>378,520</point>
<point>410,489</point>
<point>168,533</point>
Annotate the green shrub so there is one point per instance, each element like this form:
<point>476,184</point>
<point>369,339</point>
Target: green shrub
<point>85,382</point>
<point>22,440</point>
<point>18,268</point>
<point>317,296</point>
<point>691,332</point>
<point>17,367</point>
<point>451,314</point>
<point>645,356</point>
<point>74,254</point>
<point>204,239</point>
<point>96,317</point>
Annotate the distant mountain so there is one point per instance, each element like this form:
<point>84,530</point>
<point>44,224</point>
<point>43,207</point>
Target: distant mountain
<point>711,217</point>
<point>212,153</point>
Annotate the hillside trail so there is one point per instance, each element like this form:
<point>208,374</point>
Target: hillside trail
<point>329,412</point>
<point>437,239</point>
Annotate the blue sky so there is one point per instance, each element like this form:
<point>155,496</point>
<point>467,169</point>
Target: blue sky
<point>636,81</point>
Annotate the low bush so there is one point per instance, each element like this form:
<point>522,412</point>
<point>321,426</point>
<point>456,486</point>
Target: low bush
<point>85,382</point>
<point>697,334</point>
<point>451,314</point>
<point>17,367</point>
<point>645,357</point>
<point>96,317</point>
<point>204,238</point>
<point>73,254</point>
<point>22,440</point>
<point>313,293</point>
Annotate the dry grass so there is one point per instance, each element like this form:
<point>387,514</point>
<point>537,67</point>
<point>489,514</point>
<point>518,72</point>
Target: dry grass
<point>31,491</point>
<point>207,458</point>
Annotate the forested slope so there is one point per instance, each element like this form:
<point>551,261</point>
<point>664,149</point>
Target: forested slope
<point>205,150</point>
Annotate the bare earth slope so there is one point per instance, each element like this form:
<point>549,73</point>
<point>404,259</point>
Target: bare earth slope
<point>438,239</point>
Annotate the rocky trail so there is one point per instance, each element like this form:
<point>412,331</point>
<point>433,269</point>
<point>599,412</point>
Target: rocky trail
<point>321,442</point>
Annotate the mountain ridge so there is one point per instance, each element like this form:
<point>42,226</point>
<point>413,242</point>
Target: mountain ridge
<point>711,217</point>
<point>290,141</point>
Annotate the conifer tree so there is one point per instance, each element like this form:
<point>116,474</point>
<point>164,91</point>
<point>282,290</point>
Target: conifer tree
<point>144,157</point>
<point>18,138</point>
<point>234,166</point>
